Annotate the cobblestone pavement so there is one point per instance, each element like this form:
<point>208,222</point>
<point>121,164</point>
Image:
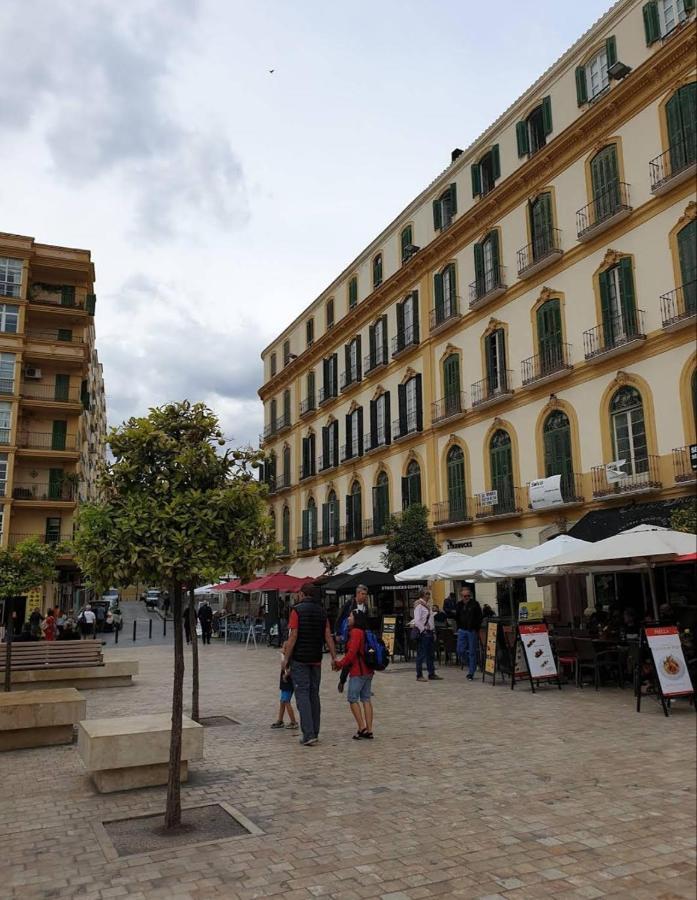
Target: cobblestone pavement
<point>468,791</point>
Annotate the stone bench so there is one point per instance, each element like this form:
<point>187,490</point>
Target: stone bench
<point>133,751</point>
<point>114,672</point>
<point>39,718</point>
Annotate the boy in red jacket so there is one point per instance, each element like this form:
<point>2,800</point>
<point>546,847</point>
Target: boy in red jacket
<point>361,676</point>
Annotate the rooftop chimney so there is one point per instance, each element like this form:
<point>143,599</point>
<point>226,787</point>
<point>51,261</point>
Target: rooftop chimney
<point>454,155</point>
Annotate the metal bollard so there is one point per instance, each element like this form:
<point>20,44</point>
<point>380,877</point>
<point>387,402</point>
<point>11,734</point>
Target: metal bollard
<point>164,627</point>
<point>135,622</point>
<point>116,634</point>
<point>150,629</point>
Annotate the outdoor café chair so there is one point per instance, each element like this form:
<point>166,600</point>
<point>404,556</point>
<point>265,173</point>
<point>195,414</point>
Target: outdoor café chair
<point>567,655</point>
<point>599,662</point>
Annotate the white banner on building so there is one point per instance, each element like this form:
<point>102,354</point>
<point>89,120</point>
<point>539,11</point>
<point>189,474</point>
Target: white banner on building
<point>613,471</point>
<point>545,492</point>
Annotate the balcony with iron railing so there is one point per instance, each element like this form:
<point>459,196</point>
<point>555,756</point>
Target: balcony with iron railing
<point>326,393</point>
<point>445,314</point>
<point>542,251</point>
<point>376,359</point>
<point>63,297</point>
<point>308,541</point>
<point>17,538</point>
<point>329,538</point>
<point>642,475</point>
<point>492,389</point>
<point>506,501</point>
<point>679,307</point>
<point>375,527</point>
<point>54,335</point>
<point>53,393</point>
<point>350,377</point>
<point>605,209</point>
<point>307,406</point>
<point>331,461</point>
<point>405,339</point>
<point>37,440</point>
<point>553,362</point>
<point>61,491</point>
<point>351,451</point>
<point>374,441</point>
<point>352,531</point>
<point>405,429</point>
<point>616,334</point>
<point>570,487</point>
<point>448,513</point>
<point>677,165</point>
<point>488,287</point>
<point>304,474</point>
<point>449,407</point>
<point>7,387</point>
<point>685,463</point>
<point>280,482</point>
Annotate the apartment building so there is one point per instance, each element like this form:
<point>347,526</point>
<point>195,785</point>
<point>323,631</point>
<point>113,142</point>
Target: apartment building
<point>52,408</point>
<point>530,314</point>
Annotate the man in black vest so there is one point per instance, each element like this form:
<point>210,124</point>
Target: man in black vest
<point>308,629</point>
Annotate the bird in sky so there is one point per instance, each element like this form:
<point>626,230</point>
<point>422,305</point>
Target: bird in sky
<point>271,71</point>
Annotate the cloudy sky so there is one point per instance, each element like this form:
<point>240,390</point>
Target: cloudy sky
<point>217,198</point>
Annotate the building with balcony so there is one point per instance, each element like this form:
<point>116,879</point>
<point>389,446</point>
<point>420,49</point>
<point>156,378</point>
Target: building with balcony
<point>52,405</point>
<point>572,220</point>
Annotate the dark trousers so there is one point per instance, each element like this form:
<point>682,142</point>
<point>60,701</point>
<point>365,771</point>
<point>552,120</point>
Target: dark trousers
<point>425,653</point>
<point>206,631</point>
<point>306,681</point>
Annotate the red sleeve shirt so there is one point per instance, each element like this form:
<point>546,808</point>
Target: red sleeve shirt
<point>353,658</point>
<point>293,620</point>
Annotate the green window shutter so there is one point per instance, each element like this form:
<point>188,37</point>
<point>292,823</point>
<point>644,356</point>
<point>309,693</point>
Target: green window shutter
<point>415,300</point>
<point>55,485</point>
<point>652,25</point>
<point>439,298</point>
<point>353,293</point>
<point>65,334</point>
<point>491,370</point>
<point>53,530</point>
<point>359,359</point>
<point>496,162</point>
<point>400,326</point>
<point>59,434</point>
<point>62,388</point>
<point>437,215</point>
<point>305,528</point>
<point>479,267</point>
<point>373,422</point>
<point>688,110</point>
<point>359,449</point>
<point>689,6</point>
<point>419,404</point>
<point>453,283</point>
<point>402,403</point>
<point>687,253</point>
<point>453,199</point>
<point>372,348</point>
<point>611,50</point>
<point>476,181</point>
<point>388,419</point>
<point>608,324</point>
<point>493,238</point>
<point>547,114</point>
<point>325,447</point>
<point>405,492</point>
<point>405,242</point>
<point>286,407</point>
<point>335,427</point>
<point>581,86</point>
<point>451,382</point>
<point>67,295</point>
<point>90,303</point>
<point>325,523</point>
<point>521,134</point>
<point>627,289</point>
<point>384,338</point>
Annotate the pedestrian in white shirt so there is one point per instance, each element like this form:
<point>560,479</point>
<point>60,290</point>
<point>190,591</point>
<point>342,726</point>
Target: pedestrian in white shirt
<point>424,626</point>
<point>86,621</point>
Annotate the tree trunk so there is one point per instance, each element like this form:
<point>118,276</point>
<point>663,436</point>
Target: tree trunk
<point>9,630</point>
<point>194,656</point>
<point>173,813</point>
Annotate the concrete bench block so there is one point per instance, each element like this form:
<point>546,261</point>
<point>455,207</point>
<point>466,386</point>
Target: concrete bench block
<point>39,718</point>
<point>114,673</point>
<point>133,751</point>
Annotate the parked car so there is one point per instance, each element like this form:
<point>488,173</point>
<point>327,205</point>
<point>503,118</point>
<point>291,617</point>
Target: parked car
<point>152,599</point>
<point>112,597</point>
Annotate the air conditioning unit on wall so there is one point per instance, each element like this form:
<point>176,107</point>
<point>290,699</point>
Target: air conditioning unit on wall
<point>31,372</point>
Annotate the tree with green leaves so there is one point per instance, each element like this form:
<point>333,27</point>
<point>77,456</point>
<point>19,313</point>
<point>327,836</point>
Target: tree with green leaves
<point>409,539</point>
<point>685,519</point>
<point>26,566</point>
<point>174,508</point>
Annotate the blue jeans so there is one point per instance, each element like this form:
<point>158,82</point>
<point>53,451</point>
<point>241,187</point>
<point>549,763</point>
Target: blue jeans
<point>306,680</point>
<point>467,644</point>
<point>425,652</point>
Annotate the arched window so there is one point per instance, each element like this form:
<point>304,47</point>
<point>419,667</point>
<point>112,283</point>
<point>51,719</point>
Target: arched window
<point>381,503</point>
<point>501,461</point>
<point>457,502</point>
<point>286,408</point>
<point>629,431</point>
<point>681,118</point>
<point>445,292</point>
<point>377,270</point>
<point>556,436</point>
<point>285,536</point>
<point>541,227</point>
<point>273,416</point>
<point>687,253</point>
<point>286,466</point>
<point>406,243</point>
<point>411,485</point>
<point>309,534</point>
<point>354,521</point>
<point>549,338</point>
<point>605,183</point>
<point>330,520</point>
<point>451,385</point>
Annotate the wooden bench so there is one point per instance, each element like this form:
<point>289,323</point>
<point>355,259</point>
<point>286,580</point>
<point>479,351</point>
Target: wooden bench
<point>52,655</point>
<point>39,718</point>
<point>133,751</point>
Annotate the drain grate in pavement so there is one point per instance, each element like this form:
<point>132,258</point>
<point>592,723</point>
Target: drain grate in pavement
<point>217,721</point>
<point>146,834</point>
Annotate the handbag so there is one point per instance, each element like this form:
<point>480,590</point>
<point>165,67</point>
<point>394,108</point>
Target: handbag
<point>414,634</point>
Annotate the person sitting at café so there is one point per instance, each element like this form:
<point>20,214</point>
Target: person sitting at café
<point>69,633</point>
<point>630,629</point>
<point>450,605</point>
<point>439,617</point>
<point>612,629</point>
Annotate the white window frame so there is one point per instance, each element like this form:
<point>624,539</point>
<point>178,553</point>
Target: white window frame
<point>380,405</point>
<point>353,359</point>
<point>10,276</point>
<point>5,421</point>
<point>379,341</point>
<point>627,417</point>
<point>448,293</point>
<point>408,319</point>
<point>596,73</point>
<point>619,326</point>
<point>410,403</point>
<point>9,313</point>
<point>354,433</point>
<point>488,259</point>
<point>3,476</point>
<point>670,14</point>
<point>8,362</point>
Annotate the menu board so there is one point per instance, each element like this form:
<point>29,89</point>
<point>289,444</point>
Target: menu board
<point>389,627</point>
<point>538,651</point>
<point>490,661</point>
<point>669,660</point>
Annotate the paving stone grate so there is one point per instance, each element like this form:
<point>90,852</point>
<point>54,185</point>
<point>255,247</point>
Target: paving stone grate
<point>145,834</point>
<point>217,721</point>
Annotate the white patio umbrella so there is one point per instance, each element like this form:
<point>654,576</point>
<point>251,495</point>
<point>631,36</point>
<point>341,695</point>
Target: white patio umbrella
<point>527,562</point>
<point>477,567</point>
<point>428,571</point>
<point>641,547</point>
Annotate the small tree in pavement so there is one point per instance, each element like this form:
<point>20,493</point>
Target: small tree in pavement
<point>172,507</point>
<point>409,540</point>
<point>22,568</point>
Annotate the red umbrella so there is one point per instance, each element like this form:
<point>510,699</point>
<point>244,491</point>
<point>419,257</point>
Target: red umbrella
<point>277,581</point>
<point>688,557</point>
<point>233,585</point>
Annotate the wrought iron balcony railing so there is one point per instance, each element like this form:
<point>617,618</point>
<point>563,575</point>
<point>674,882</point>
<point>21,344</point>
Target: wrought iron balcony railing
<point>56,393</point>
<point>503,501</point>
<point>452,512</point>
<point>308,405</point>
<point>326,393</point>
<point>36,440</point>
<point>448,312</point>
<point>56,335</point>
<point>379,438</point>
<point>604,208</point>
<point>541,251</point>
<point>449,406</point>
<point>407,337</point>
<point>373,360</point>
<point>405,428</point>
<point>308,541</point>
<point>679,305</point>
<point>304,473</point>
<point>26,490</point>
<point>615,332</point>
<point>676,163</point>
<point>492,388</point>
<point>685,463</point>
<point>7,386</point>
<point>331,461</point>
<point>490,285</point>
<point>642,474</point>
<point>43,538</point>
<point>351,376</point>
<point>553,360</point>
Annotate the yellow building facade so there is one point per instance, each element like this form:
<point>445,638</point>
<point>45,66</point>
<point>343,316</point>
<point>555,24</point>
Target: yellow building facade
<point>52,406</point>
<point>530,314</point>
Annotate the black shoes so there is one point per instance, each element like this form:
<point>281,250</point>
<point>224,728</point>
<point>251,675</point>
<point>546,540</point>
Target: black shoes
<point>434,678</point>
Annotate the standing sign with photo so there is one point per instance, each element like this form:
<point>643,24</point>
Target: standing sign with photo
<point>389,627</point>
<point>491,636</point>
<point>669,660</point>
<point>538,651</point>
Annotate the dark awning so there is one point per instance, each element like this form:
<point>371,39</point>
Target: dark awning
<point>603,523</point>
<point>350,581</point>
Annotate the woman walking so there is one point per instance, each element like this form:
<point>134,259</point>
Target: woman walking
<point>360,676</point>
